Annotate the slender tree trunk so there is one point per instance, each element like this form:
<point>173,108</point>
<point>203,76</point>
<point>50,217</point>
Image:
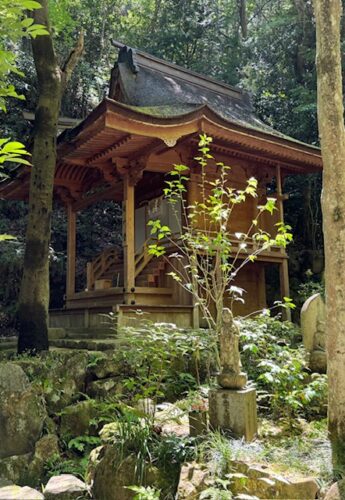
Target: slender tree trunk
<point>332,135</point>
<point>242,9</point>
<point>34,292</point>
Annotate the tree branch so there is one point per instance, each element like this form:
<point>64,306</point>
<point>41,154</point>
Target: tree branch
<point>72,60</point>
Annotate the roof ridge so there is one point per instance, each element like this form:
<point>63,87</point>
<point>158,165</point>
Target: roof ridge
<point>137,57</point>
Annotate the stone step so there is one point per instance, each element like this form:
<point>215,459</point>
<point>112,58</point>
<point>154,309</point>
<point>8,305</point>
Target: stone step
<point>97,333</point>
<point>90,344</point>
<point>8,343</point>
<point>83,332</point>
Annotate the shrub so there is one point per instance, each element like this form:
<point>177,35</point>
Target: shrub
<point>165,361</point>
<point>277,363</point>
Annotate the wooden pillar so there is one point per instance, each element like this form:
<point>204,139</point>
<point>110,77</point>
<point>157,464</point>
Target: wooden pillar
<point>280,197</point>
<point>283,267</point>
<point>71,250</point>
<point>284,286</point>
<point>129,239</point>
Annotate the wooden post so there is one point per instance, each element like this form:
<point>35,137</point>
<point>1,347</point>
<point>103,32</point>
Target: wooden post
<point>89,276</point>
<point>284,286</point>
<point>71,251</point>
<point>280,197</point>
<point>283,267</point>
<point>128,239</point>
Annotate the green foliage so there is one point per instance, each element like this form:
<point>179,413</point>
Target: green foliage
<point>217,491</point>
<point>57,465</point>
<point>11,151</point>
<point>216,448</point>
<point>14,26</point>
<point>138,436</point>
<point>164,360</point>
<point>145,493</point>
<point>83,444</point>
<point>278,365</point>
<point>309,288</point>
<point>303,449</point>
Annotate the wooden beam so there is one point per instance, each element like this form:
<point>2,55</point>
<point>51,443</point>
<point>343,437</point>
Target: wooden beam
<point>71,250</point>
<point>109,151</point>
<point>108,194</point>
<point>129,239</point>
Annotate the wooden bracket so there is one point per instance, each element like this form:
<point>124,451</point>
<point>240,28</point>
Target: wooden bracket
<point>133,168</point>
<point>66,196</point>
<point>110,174</point>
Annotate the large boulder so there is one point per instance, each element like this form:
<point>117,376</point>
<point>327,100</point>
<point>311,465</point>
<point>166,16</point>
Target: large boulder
<point>29,469</point>
<point>65,487</point>
<point>112,474</point>
<point>22,412</point>
<point>66,381</point>
<point>15,492</point>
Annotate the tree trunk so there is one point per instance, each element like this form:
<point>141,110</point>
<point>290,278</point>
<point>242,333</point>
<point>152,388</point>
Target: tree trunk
<point>34,292</point>
<point>332,135</point>
<point>242,9</point>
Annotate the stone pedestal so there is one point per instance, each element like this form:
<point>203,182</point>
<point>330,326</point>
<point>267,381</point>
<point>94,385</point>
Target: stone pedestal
<point>235,411</point>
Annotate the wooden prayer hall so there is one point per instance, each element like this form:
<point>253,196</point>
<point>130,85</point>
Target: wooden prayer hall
<point>122,151</point>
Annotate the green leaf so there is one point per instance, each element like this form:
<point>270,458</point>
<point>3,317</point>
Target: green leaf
<point>5,237</point>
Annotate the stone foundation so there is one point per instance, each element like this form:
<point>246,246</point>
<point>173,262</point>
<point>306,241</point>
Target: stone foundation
<point>235,411</point>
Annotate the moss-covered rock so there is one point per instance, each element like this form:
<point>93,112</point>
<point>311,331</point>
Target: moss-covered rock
<point>193,480</point>
<point>76,420</point>
<point>105,388</point>
<point>105,366</point>
<point>112,474</point>
<point>66,381</point>
<point>28,469</point>
<point>16,468</point>
<point>22,412</point>
<point>46,449</point>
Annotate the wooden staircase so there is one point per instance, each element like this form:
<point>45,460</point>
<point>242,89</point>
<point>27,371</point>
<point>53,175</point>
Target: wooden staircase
<point>108,266</point>
<point>154,274</point>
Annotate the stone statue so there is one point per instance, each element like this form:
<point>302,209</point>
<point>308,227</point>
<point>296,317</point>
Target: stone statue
<point>231,376</point>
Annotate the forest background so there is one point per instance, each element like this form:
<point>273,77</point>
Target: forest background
<point>266,47</point>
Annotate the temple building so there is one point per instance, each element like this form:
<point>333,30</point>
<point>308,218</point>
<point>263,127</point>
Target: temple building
<point>122,151</point>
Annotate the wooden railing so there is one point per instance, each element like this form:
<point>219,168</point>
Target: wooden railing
<point>102,265</point>
<point>142,257</point>
<point>112,257</point>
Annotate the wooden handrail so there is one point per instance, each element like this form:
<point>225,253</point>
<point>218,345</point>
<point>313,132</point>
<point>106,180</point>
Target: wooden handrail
<point>101,264</point>
<point>142,258</point>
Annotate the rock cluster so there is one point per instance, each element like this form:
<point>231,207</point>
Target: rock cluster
<point>246,482</point>
<point>64,487</point>
<point>32,416</point>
